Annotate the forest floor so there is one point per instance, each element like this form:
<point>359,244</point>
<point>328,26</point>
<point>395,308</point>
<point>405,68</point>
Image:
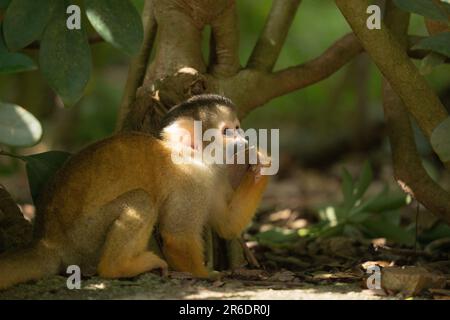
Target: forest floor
<point>152,286</point>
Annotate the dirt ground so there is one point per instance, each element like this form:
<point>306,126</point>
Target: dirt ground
<point>151,286</point>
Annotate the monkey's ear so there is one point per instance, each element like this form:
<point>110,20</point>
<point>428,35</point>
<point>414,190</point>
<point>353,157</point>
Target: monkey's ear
<point>181,132</point>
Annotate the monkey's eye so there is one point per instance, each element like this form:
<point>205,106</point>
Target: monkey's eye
<point>227,131</point>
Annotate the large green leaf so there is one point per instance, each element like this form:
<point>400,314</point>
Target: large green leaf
<point>440,140</point>
<point>13,62</point>
<point>347,189</point>
<point>41,167</point>
<point>439,43</point>
<point>276,235</point>
<point>18,127</point>
<point>118,22</point>
<point>25,21</point>
<point>425,8</point>
<point>387,202</point>
<point>380,228</point>
<point>65,57</point>
<point>364,180</point>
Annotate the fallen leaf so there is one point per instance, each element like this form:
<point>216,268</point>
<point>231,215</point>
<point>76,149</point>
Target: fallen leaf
<point>410,281</point>
<point>283,276</point>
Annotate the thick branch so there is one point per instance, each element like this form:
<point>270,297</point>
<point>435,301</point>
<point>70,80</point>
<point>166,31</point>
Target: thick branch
<point>252,88</point>
<point>139,64</point>
<point>392,60</point>
<point>334,58</point>
<point>271,40</point>
<point>407,163</point>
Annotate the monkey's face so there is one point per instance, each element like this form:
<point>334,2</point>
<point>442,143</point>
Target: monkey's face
<point>229,133</point>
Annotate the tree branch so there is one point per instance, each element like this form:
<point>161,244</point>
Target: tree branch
<point>334,58</point>
<point>252,88</point>
<point>392,60</point>
<point>408,168</point>
<point>271,40</point>
<point>138,66</point>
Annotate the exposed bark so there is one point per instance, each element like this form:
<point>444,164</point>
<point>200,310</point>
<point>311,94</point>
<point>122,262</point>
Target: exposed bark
<point>408,167</point>
<point>393,62</point>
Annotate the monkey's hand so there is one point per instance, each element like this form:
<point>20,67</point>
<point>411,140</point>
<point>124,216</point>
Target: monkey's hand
<point>263,162</point>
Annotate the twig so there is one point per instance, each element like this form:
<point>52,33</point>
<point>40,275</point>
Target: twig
<point>249,256</point>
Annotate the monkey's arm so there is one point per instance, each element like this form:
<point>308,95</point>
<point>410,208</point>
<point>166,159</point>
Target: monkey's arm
<point>244,202</point>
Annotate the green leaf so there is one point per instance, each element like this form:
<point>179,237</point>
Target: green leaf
<point>18,127</point>
<point>379,228</point>
<point>441,230</point>
<point>65,57</point>
<point>425,8</point>
<point>364,180</point>
<point>439,43</point>
<point>25,21</point>
<point>387,202</point>
<point>276,235</point>
<point>440,140</point>
<point>118,22</point>
<point>41,167</point>
<point>13,62</point>
<point>347,189</point>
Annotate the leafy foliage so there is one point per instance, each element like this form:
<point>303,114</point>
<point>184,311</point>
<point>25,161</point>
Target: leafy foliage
<point>13,62</point>
<point>439,43</point>
<point>65,58</point>
<point>375,216</point>
<point>18,127</point>
<point>40,168</point>
<point>118,22</point>
<point>25,21</point>
<point>426,8</point>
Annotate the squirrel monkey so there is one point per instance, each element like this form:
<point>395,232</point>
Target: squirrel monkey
<point>99,210</point>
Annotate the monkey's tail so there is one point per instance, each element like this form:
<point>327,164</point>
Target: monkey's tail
<point>34,263</point>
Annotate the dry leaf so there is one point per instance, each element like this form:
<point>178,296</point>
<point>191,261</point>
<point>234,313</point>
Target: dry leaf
<point>410,281</point>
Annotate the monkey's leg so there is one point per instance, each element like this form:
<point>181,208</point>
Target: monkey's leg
<point>230,223</point>
<point>125,252</point>
<point>184,252</point>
